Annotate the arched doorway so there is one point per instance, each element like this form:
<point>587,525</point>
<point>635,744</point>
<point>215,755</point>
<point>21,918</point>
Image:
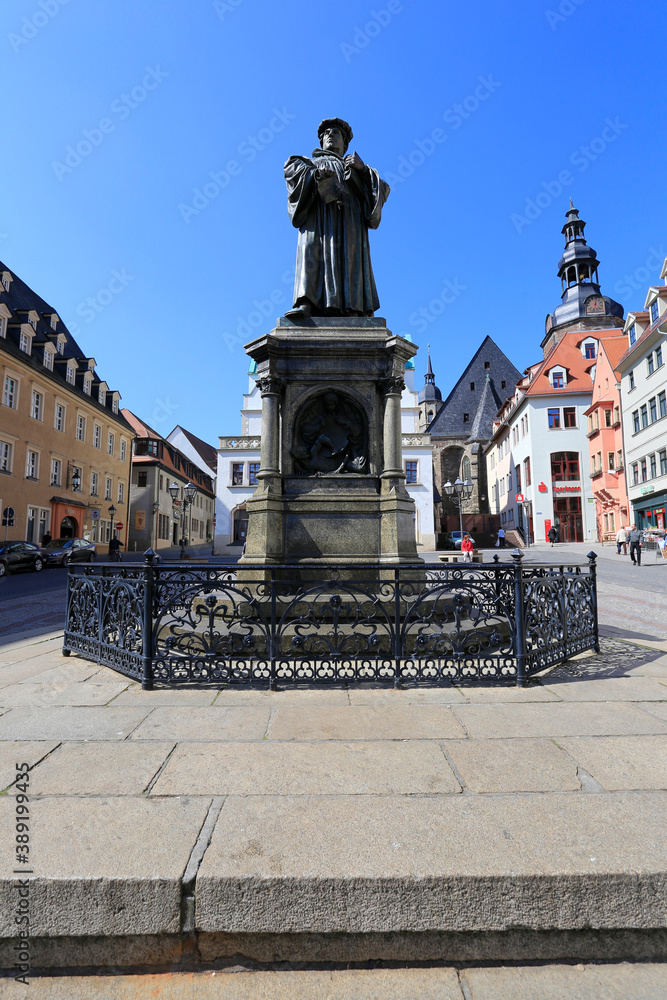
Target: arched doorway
<point>240,526</point>
<point>68,528</point>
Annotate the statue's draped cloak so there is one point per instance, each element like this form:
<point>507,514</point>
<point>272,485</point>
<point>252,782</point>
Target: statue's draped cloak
<point>333,261</point>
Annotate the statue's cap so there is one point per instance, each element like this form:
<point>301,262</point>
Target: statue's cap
<point>339,123</point>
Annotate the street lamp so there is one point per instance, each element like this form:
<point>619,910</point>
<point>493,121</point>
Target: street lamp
<point>459,493</point>
<point>189,493</point>
<point>526,507</point>
<point>112,514</point>
<point>156,507</point>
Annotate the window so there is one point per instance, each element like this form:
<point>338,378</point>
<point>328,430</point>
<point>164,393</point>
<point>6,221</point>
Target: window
<point>253,469</point>
<point>644,414</point>
<point>565,465</point>
<point>503,384</point>
<point>653,467</point>
<point>94,484</point>
<point>650,364</point>
<point>121,492</point>
<point>653,409</point>
<point>509,482</point>
<point>589,352</point>
<point>633,333</point>
<point>472,386</point>
<point>466,418</point>
<point>607,418</point>
<point>619,459</point>
<point>644,473</point>
<point>107,489</point>
<point>610,461</point>
<point>662,404</point>
<point>80,428</point>
<point>70,375</point>
<point>123,450</point>
<point>661,455</point>
<point>635,421</point>
<point>111,443</point>
<point>554,418</point>
<point>617,414</point>
<point>631,379</point>
<point>142,478</point>
<point>36,405</point>
<point>56,472</point>
<point>47,360</point>
<point>32,465</point>
<point>86,385</point>
<point>10,393</point>
<point>161,477</point>
<point>654,311</point>
<point>153,448</point>
<point>569,416</point>
<point>25,343</point>
<point>557,380</point>
<point>5,456</point>
<point>60,347</point>
<point>635,474</point>
<point>487,364</point>
<point>658,357</point>
<point>3,326</point>
<point>102,396</point>
<point>97,436</point>
<point>114,405</point>
<point>237,474</point>
<point>526,471</point>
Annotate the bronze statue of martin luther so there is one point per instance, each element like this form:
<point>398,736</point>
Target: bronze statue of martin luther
<point>333,200</point>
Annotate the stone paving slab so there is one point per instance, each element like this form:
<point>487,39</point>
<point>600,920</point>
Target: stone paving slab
<point>608,689</point>
<point>381,722</point>
<point>513,765</point>
<point>159,697</point>
<point>19,752</point>
<point>560,719</point>
<point>61,723</point>
<point>100,769</point>
<point>102,866</point>
<point>348,984</point>
<point>407,695</point>
<point>379,768</point>
<point>508,695</point>
<point>619,762</point>
<point>37,695</point>
<point>568,982</point>
<point>41,670</point>
<point>19,649</point>
<point>659,710</point>
<point>416,863</point>
<point>271,699</point>
<point>188,723</point>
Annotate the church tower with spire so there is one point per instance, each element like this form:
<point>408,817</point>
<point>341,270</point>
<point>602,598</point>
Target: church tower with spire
<point>430,397</point>
<point>583,307</point>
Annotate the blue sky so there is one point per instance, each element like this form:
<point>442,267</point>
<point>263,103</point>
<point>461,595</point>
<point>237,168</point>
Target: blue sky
<point>116,114</point>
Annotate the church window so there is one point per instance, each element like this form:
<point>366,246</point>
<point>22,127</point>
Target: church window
<point>472,386</point>
<point>466,418</point>
<point>503,384</point>
<point>487,364</point>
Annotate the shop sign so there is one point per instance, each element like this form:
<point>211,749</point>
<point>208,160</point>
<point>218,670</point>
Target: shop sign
<point>567,489</point>
<point>647,489</point>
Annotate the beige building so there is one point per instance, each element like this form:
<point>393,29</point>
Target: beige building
<point>65,449</point>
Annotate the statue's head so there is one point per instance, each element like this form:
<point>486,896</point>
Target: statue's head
<point>330,402</point>
<point>335,135</point>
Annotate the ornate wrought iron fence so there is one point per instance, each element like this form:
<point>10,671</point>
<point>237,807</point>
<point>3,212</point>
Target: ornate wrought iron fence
<point>422,624</point>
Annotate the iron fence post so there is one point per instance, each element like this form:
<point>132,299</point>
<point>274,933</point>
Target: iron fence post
<point>592,569</point>
<point>273,685</point>
<point>519,621</point>
<point>147,622</point>
<point>397,629</point>
<point>100,607</point>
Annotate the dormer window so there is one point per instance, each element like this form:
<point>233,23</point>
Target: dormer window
<point>654,311</point>
<point>54,321</point>
<point>70,376</point>
<point>557,380</point>
<point>25,343</point>
<point>86,384</point>
<point>589,352</point>
<point>33,323</point>
<point>114,405</point>
<point>48,359</point>
<point>632,333</point>
<point>102,396</point>
<point>61,345</point>
<point>3,326</point>
<point>6,280</point>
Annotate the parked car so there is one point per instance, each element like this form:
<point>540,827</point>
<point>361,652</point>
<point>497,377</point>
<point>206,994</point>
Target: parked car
<point>20,555</point>
<point>63,551</point>
<point>453,539</point>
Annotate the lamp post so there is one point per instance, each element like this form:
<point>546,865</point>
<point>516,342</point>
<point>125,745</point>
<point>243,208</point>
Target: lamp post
<point>189,493</point>
<point>112,514</point>
<point>459,493</point>
<point>526,508</point>
<point>156,507</point>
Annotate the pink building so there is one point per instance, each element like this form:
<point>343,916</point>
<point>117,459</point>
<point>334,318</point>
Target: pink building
<point>605,442</point>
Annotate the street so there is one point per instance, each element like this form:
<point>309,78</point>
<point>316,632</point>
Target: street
<point>632,600</point>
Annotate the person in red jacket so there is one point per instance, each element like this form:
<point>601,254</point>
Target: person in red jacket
<point>466,548</point>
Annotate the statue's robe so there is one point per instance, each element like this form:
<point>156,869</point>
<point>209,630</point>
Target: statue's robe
<point>333,261</point>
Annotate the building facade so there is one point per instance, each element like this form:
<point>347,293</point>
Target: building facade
<point>644,408</point>
<point>65,448</point>
<point>156,519</point>
<point>239,462</point>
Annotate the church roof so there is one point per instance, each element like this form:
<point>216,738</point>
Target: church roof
<point>470,408</point>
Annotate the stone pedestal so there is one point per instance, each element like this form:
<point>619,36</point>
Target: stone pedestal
<point>331,483</point>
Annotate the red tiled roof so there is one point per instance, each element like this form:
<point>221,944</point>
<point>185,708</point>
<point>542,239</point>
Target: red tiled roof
<point>567,355</point>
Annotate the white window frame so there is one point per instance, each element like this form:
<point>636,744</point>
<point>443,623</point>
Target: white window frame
<point>59,406</point>
<point>30,466</point>
<point>11,398</point>
<point>3,326</point>
<point>47,360</point>
<point>108,488</point>
<point>102,396</point>
<point>56,472</point>
<point>37,405</point>
<point>87,381</point>
<point>6,455</point>
<point>97,436</point>
<point>94,484</point>
<point>123,450</point>
<point>111,443</point>
<point>80,427</point>
<point>121,492</point>
<point>70,375</point>
<point>25,343</point>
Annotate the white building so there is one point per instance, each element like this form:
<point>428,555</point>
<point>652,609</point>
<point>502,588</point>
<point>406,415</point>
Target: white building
<point>644,408</point>
<point>239,460</point>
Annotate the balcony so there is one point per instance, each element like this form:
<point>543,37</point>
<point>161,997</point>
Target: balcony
<point>596,473</point>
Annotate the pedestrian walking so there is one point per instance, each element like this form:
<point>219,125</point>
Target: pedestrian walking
<point>467,548</point>
<point>501,537</point>
<point>635,545</point>
<point>622,540</point>
<point>552,535</point>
